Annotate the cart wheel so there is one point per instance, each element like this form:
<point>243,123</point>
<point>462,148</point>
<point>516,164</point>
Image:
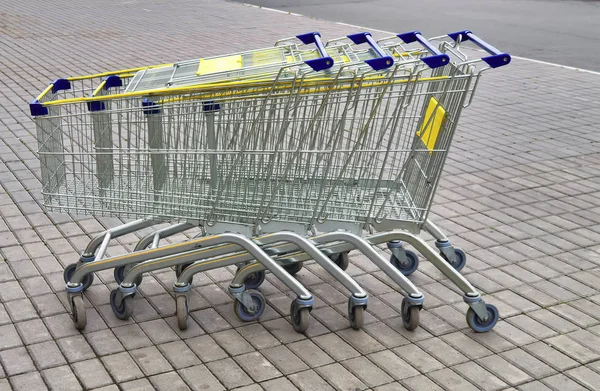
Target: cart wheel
<point>78,312</point>
<point>410,315</point>
<point>481,326</point>
<point>68,273</point>
<point>120,272</point>
<point>342,260</point>
<point>180,268</point>
<point>299,317</point>
<point>125,309</point>
<point>461,259</point>
<point>412,263</point>
<point>293,268</point>
<point>357,317</point>
<point>254,280</point>
<point>182,311</point>
<point>248,315</point>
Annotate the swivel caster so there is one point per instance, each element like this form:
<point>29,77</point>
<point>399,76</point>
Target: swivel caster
<point>342,260</point>
<point>410,315</point>
<point>78,311</point>
<point>182,311</point>
<point>483,325</point>
<point>180,268</point>
<point>120,272</point>
<point>292,268</point>
<point>455,256</point>
<point>300,316</point>
<point>253,311</point>
<point>121,305</point>
<point>68,273</point>
<point>407,267</point>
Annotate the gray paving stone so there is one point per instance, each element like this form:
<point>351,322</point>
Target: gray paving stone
<point>284,359</point>
<point>137,385</point>
<point>553,321</point>
<point>504,370</point>
<point>61,378</point>
<point>573,349</point>
<point>28,382</point>
<point>310,353</point>
<point>104,342</point>
<point>340,378</point>
<point>46,355</point>
<point>585,376</point>
<point>528,363</point>
<point>420,382</point>
<point>9,338</point>
<point>46,305</point>
<point>257,366</point>
<point>169,381</point>
<point>60,326</point>
<point>550,356</point>
<point>561,382</point>
<point>200,378</point>
<point>121,367</point>
<point>178,354</point>
<point>466,345</point>
<point>158,331</point>
<point>395,386</point>
<point>392,364</point>
<point>283,330</point>
<point>309,380</point>
<point>531,326</point>
<point>91,373</point>
<point>513,334</point>
<point>418,358</point>
<point>367,372</point>
<point>478,375</point>
<point>150,361</point>
<point>33,331</point>
<point>229,373</point>
<point>16,361</point>
<point>534,386</point>
<point>258,336</point>
<point>206,348</point>
<point>451,381</point>
<point>280,384</point>
<point>132,336</point>
<point>232,342</point>
<point>335,347</point>
<point>361,341</point>
<point>574,315</point>
<point>75,348</point>
<point>445,353</point>
<point>210,320</point>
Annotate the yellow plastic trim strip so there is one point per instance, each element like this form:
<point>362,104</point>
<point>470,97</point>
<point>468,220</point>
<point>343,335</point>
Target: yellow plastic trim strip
<point>40,96</point>
<point>119,72</point>
<point>190,89</point>
<point>100,87</point>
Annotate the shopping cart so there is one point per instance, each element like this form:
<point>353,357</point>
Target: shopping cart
<point>291,151</point>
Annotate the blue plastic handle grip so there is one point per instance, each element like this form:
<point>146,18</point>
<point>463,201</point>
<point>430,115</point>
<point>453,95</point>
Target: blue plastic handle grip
<point>437,59</point>
<point>384,61</point>
<point>497,58</point>
<point>317,64</point>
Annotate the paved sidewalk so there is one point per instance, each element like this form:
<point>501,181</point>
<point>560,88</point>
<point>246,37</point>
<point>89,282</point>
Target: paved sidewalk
<point>521,196</point>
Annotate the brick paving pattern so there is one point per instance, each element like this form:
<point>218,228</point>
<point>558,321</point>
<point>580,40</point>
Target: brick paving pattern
<point>521,195</point>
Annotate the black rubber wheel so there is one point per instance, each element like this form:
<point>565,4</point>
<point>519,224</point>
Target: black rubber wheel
<point>292,268</point>
<point>461,259</point>
<point>412,263</point>
<point>182,311</point>
<point>410,315</point>
<point>124,310</point>
<point>68,273</point>
<point>78,312</point>
<point>300,317</point>
<point>120,272</point>
<point>482,326</point>
<point>342,260</point>
<point>254,280</point>
<point>246,315</point>
<point>357,317</point>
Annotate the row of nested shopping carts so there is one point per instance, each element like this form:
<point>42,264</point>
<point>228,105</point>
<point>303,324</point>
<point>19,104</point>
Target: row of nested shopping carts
<point>280,155</point>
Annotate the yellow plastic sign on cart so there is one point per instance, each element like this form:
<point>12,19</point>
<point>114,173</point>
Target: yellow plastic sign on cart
<point>435,117</point>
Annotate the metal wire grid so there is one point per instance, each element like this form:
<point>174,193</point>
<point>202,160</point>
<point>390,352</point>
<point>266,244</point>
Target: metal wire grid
<point>300,154</point>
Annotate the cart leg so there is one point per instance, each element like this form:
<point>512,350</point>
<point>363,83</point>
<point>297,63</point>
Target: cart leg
<point>453,255</point>
<point>481,317</point>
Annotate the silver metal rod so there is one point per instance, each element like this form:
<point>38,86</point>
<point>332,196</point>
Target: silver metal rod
<point>318,256</point>
<point>239,240</point>
<point>435,231</point>
<point>121,230</point>
<point>162,233</point>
